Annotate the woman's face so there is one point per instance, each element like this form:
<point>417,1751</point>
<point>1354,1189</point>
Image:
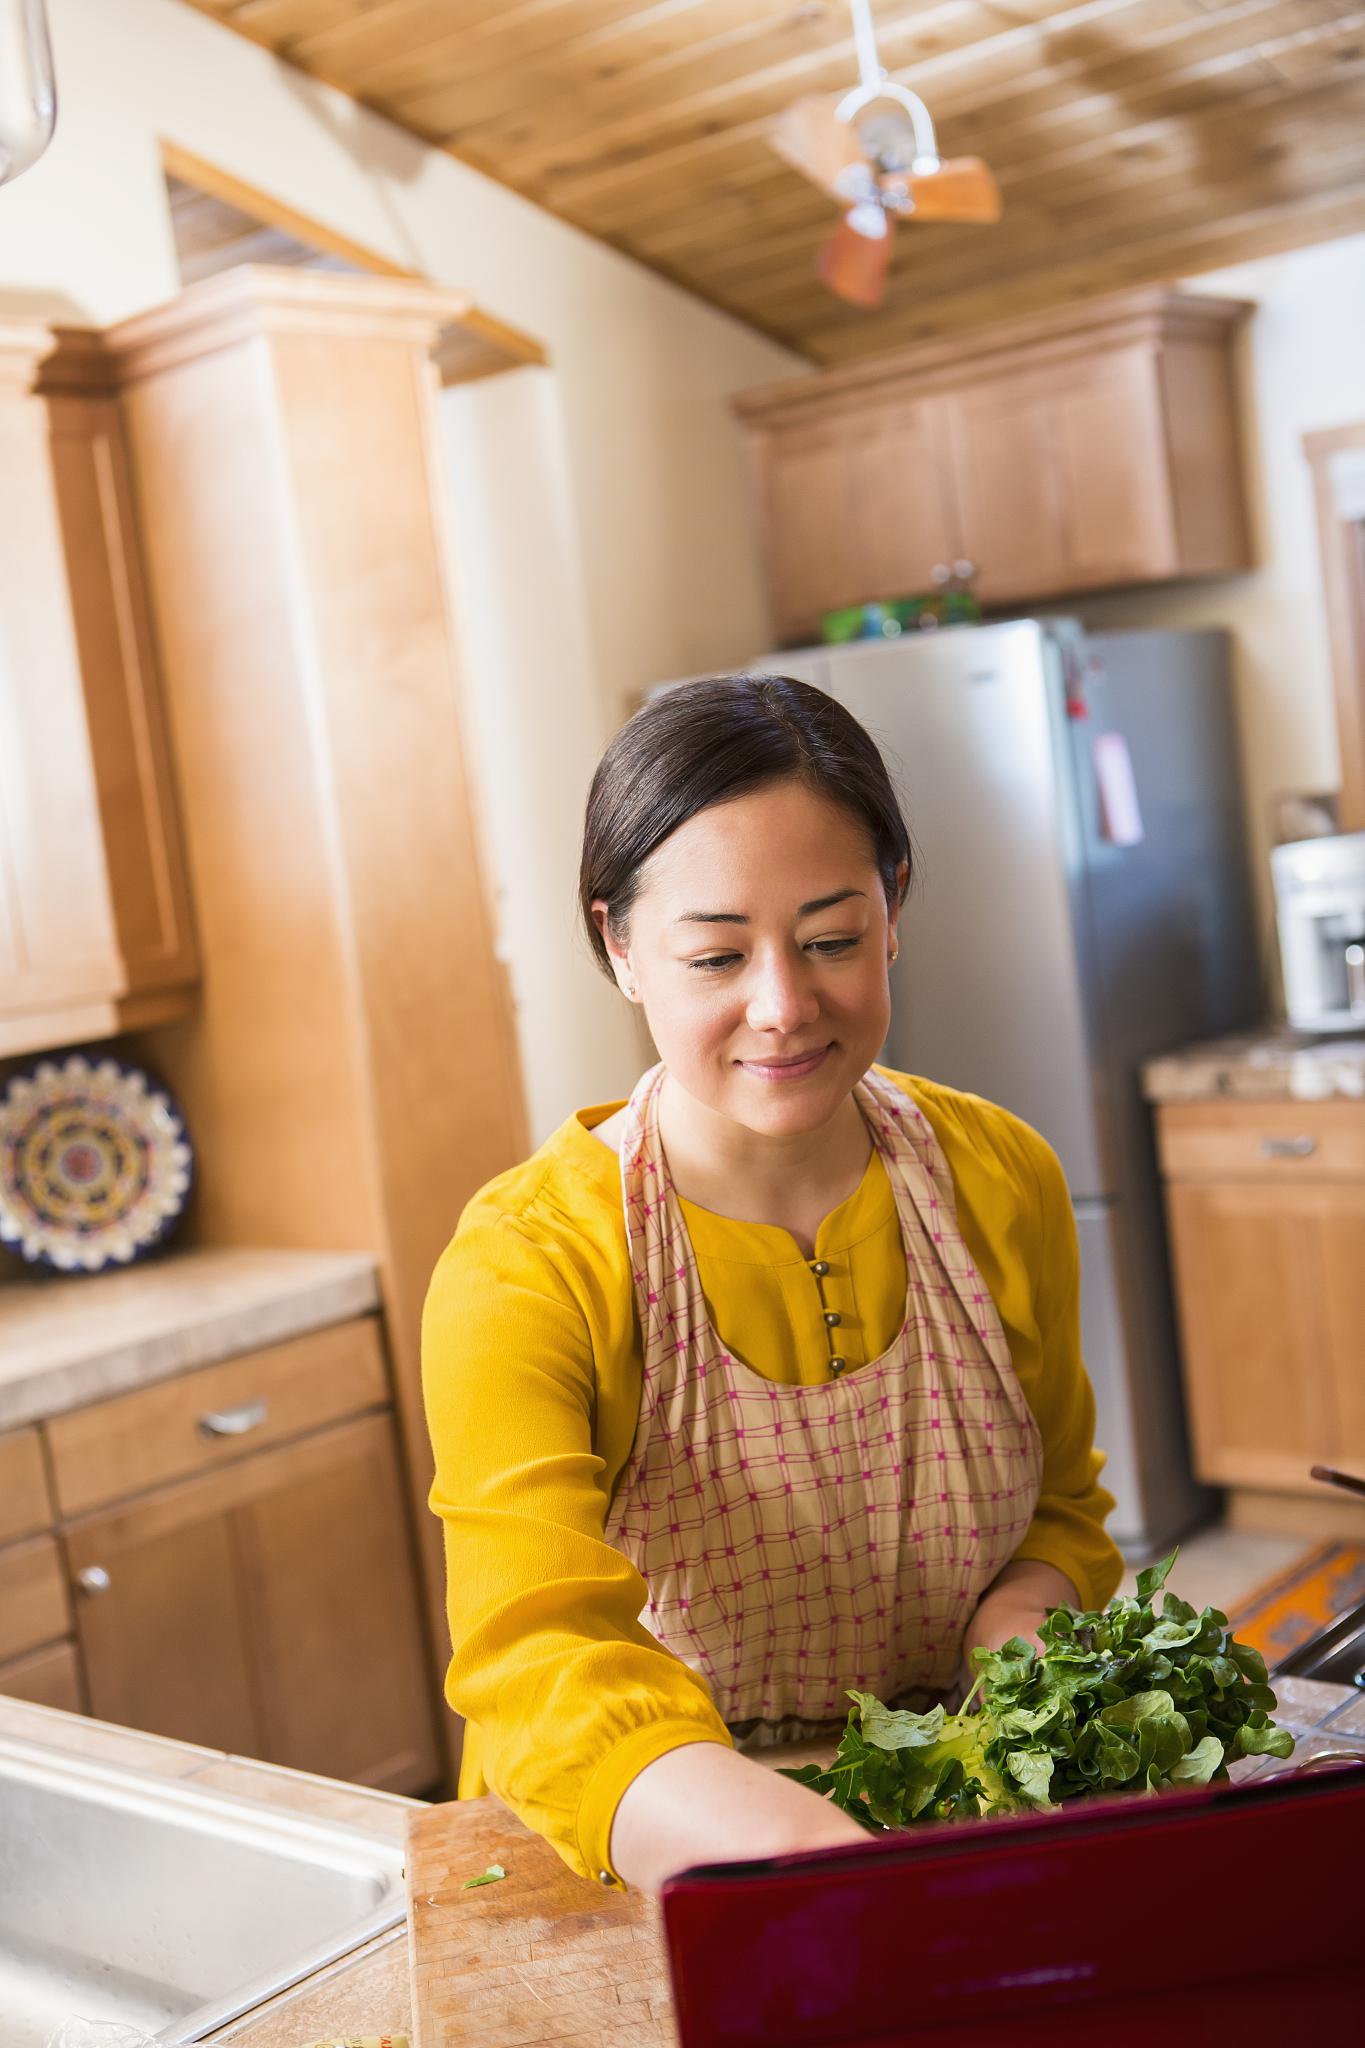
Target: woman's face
<point>758,947</point>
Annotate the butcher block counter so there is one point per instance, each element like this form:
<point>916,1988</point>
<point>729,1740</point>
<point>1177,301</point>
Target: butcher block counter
<point>541,1956</point>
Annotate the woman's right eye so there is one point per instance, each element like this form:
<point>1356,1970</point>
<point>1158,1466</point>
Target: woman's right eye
<point>713,962</point>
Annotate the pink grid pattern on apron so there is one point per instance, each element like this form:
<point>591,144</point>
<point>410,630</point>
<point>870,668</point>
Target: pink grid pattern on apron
<point>799,1540</point>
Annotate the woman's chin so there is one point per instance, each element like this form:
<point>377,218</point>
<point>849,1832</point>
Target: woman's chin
<point>781,1106</point>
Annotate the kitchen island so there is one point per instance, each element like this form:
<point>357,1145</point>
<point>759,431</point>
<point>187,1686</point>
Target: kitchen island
<point>371,1990</point>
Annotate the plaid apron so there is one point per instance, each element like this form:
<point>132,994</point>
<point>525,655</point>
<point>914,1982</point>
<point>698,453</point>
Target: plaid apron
<point>800,1540</point>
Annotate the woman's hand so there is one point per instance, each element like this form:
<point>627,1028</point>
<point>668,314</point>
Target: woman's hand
<point>705,1803</point>
<point>1014,1604</point>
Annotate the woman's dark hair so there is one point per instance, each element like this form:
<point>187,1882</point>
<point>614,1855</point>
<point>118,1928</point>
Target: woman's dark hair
<point>706,742</point>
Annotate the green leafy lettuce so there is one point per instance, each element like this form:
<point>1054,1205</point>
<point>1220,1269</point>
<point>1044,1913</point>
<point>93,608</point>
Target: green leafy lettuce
<point>1118,1700</point>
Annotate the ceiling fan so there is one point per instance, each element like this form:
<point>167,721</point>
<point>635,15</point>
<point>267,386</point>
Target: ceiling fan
<point>875,151</point>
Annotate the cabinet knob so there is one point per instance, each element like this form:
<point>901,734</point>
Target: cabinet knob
<point>238,1421</point>
<point>1288,1148</point>
<point>94,1579</point>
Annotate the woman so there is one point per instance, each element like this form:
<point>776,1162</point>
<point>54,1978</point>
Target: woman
<point>765,1383</point>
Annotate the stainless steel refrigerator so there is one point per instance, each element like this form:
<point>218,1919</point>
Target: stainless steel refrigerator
<point>1082,901</point>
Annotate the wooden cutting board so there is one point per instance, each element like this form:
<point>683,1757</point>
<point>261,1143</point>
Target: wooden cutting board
<point>542,1959</point>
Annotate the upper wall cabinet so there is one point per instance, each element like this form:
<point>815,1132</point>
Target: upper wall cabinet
<point>1078,452</point>
<point>95,931</point>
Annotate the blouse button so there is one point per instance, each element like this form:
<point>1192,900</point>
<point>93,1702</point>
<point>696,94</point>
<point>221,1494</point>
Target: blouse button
<point>605,1877</point>
<point>820,1267</point>
<point>833,1317</point>
<point>836,1366</point>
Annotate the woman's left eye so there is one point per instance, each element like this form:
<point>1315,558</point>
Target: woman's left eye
<point>829,947</point>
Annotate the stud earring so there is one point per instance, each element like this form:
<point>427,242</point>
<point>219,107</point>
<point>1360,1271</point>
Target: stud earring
<point>630,990</point>
<point>893,956</point>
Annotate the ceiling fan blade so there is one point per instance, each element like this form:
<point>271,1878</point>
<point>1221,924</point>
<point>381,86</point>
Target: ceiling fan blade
<point>963,188</point>
<point>812,138</point>
<point>854,265</point>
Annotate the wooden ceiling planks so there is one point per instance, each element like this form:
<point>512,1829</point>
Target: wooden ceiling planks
<point>1133,139</point>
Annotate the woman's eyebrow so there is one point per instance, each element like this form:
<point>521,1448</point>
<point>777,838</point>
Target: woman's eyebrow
<point>738,916</point>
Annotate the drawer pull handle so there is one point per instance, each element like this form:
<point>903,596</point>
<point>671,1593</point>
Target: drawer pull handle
<point>1288,1148</point>
<point>234,1421</point>
<point>94,1579</point>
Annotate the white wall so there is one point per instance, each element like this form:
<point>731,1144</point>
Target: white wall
<point>635,557</point>
<point>1301,366</point>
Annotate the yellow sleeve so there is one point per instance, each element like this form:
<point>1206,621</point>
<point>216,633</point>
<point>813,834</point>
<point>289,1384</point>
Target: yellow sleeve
<point>1068,1528</point>
<point>572,1698</point>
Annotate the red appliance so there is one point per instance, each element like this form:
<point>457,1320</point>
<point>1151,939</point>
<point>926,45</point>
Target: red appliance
<point>1129,1922</point>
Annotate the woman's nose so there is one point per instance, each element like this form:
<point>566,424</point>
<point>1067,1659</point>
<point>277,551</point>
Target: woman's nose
<point>781,998</point>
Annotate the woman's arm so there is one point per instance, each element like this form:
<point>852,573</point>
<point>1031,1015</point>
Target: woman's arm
<point>705,1804</point>
<point>1014,1605</point>
<point>570,1696</point>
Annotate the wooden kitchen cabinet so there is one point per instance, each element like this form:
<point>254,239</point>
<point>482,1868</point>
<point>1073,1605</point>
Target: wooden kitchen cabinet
<point>95,930</point>
<point>48,1677</point>
<point>859,504</point>
<point>269,1609</point>
<point>37,1658</point>
<point>1085,450</point>
<point>1266,1204</point>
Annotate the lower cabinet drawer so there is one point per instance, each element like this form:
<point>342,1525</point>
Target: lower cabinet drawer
<point>1271,1141</point>
<point>208,1419</point>
<point>33,1603</point>
<point>46,1678</point>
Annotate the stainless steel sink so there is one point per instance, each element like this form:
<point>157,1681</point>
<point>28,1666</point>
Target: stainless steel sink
<point>165,1906</point>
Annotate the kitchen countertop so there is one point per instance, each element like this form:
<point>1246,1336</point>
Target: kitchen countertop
<point>68,1340</point>
<point>367,1992</point>
<point>1273,1064</point>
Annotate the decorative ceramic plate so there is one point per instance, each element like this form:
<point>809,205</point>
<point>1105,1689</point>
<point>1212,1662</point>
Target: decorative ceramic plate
<point>95,1164</point>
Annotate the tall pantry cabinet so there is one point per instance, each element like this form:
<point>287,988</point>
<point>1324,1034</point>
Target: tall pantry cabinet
<point>352,1065</point>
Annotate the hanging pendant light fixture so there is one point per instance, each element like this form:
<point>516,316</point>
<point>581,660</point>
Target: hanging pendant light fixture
<point>28,93</point>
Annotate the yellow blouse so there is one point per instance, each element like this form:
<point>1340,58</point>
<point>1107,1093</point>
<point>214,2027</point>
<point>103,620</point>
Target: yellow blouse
<point>532,1375</point>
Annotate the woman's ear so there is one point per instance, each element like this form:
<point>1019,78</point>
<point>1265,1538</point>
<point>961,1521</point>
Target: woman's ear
<point>893,910</point>
<point>616,952</point>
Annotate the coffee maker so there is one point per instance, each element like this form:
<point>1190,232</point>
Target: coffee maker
<point>1320,910</point>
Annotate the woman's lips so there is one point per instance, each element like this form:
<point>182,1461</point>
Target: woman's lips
<point>785,1070</point>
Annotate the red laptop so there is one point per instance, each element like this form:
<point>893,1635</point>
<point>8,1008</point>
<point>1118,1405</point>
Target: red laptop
<point>1234,1914</point>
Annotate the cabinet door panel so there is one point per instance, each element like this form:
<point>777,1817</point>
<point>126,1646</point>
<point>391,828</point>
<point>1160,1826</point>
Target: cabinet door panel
<point>130,751</point>
<point>903,507</point>
<point>165,1647</point>
<point>810,528</point>
<point>33,1607</point>
<point>1109,446</point>
<point>328,1587</point>
<point>24,1503</point>
<point>57,936</point>
<point>270,1609</point>
<point>1268,1348</point>
<point>1010,486</point>
<point>49,1678</point>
